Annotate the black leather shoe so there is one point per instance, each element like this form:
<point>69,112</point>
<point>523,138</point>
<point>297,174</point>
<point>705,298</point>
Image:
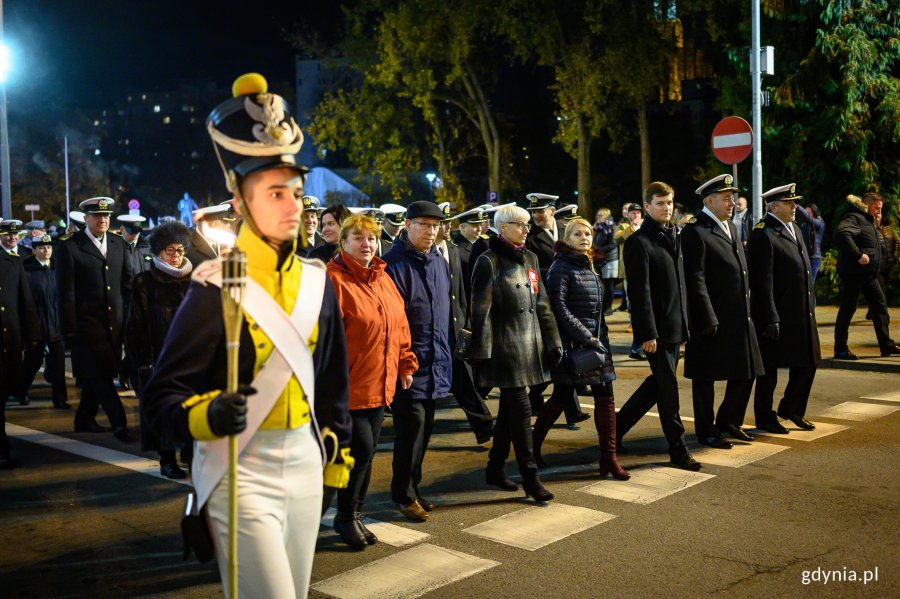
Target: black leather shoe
<point>122,434</point>
<point>581,417</point>
<point>892,350</point>
<point>637,355</point>
<point>370,537</point>
<point>91,428</point>
<point>716,442</point>
<point>801,422</point>
<point>686,462</point>
<point>124,384</point>
<point>845,355</point>
<point>426,505</point>
<point>772,427</point>
<point>536,490</point>
<point>484,436</point>
<point>61,405</point>
<point>737,432</point>
<point>172,471</point>
<point>496,477</point>
<point>350,532</point>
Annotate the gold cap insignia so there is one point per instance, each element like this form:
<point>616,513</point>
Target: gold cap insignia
<point>728,179</point>
<point>793,189</point>
<point>102,204</point>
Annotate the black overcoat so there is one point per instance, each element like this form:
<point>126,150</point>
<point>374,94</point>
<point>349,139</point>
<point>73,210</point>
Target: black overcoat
<point>139,255</point>
<point>576,296</point>
<point>718,293</point>
<point>541,244</point>
<point>94,292</point>
<point>42,281</point>
<point>656,286</point>
<point>856,235</point>
<point>459,304</point>
<point>464,247</point>
<point>19,322</point>
<point>781,290</point>
<point>512,326</point>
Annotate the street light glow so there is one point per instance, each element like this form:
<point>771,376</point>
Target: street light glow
<point>431,177</point>
<point>5,62</point>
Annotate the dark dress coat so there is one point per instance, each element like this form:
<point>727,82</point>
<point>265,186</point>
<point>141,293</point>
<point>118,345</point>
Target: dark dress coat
<point>459,304</point>
<point>423,280</point>
<point>303,250</point>
<point>42,281</point>
<point>781,290</point>
<point>200,249</point>
<point>192,361</point>
<point>324,252</point>
<point>139,255</point>
<point>541,244</point>
<point>656,288</point>
<point>94,292</point>
<point>464,247</point>
<point>856,235</point>
<point>19,321</point>
<point>718,293</point>
<point>155,298</point>
<point>479,247</point>
<point>513,326</point>
<point>576,296</point>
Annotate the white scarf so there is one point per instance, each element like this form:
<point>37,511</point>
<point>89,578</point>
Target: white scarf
<point>170,270</point>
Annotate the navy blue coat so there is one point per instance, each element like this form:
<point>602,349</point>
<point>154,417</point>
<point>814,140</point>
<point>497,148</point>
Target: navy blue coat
<point>423,280</point>
<point>42,281</point>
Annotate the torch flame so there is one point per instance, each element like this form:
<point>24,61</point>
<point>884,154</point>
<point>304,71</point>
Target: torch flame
<point>225,238</point>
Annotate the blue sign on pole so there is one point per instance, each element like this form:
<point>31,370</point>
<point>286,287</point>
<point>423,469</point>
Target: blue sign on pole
<point>492,197</point>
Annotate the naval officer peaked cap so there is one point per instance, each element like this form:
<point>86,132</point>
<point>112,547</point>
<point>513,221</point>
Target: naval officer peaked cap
<point>98,205</point>
<point>473,216</point>
<point>10,226</point>
<point>567,212</point>
<point>310,203</point>
<point>45,240</point>
<point>216,212</point>
<point>785,193</point>
<point>394,213</point>
<point>539,201</point>
<point>715,185</point>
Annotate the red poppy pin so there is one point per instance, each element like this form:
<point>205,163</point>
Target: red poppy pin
<point>533,279</point>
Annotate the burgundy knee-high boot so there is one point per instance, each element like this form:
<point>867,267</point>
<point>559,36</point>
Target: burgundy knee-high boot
<point>605,421</point>
<point>548,415</point>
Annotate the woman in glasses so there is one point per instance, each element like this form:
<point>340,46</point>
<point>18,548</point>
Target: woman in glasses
<point>514,343</point>
<point>156,295</point>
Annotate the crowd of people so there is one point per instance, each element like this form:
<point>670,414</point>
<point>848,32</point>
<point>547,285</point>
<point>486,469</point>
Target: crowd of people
<point>353,315</point>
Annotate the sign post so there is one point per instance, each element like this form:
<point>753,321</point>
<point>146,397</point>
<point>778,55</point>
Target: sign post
<point>732,142</point>
<point>32,208</point>
<point>134,208</point>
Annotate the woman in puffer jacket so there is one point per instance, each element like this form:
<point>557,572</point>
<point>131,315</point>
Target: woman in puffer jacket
<point>576,295</point>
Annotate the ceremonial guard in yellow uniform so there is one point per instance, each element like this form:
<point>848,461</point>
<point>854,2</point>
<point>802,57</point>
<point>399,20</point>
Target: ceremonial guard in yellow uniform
<point>292,352</point>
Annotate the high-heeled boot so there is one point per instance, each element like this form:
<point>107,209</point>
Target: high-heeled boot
<point>531,484</point>
<point>605,420</point>
<point>547,417</point>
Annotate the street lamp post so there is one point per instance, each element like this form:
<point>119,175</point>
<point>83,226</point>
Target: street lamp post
<point>431,177</point>
<point>4,131</point>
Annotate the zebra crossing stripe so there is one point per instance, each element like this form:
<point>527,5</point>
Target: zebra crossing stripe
<point>405,575</point>
<point>858,411</point>
<point>397,536</point>
<point>539,526</point>
<point>739,455</point>
<point>647,484</point>
<point>893,396</point>
<point>823,429</point>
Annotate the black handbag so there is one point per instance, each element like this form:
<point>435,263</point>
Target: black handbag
<point>584,359</point>
<point>195,531</point>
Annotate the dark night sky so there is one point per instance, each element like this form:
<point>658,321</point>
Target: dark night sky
<point>76,52</point>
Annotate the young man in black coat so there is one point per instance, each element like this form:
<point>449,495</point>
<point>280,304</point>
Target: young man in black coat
<point>19,329</point>
<point>94,278</point>
<point>859,259</point>
<point>658,318</point>
<point>784,310</point>
<point>42,280</point>
<point>722,345</point>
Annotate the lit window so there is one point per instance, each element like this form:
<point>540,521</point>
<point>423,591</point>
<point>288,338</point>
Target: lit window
<point>156,108</point>
<point>166,120</point>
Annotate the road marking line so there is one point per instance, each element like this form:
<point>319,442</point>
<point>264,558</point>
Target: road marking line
<point>739,455</point>
<point>647,484</point>
<point>397,536</point>
<point>405,575</point>
<point>91,452</point>
<point>893,396</point>
<point>539,526</point>
<point>590,405</point>
<point>860,412</point>
<point>823,429</point>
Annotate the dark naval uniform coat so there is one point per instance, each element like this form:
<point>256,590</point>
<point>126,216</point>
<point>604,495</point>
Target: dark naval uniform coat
<point>718,294</point>
<point>781,291</point>
<point>19,325</point>
<point>541,244</point>
<point>139,255</point>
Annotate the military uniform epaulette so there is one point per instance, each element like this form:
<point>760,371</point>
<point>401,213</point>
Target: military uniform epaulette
<point>483,236</point>
<point>692,220</point>
<point>760,225</point>
<point>116,233</point>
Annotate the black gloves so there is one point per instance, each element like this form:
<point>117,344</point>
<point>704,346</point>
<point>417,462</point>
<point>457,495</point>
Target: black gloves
<point>227,413</point>
<point>328,494</point>
<point>710,331</point>
<point>772,331</point>
<point>597,344</point>
<point>556,356</point>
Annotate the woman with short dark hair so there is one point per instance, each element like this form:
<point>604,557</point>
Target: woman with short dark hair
<point>155,297</point>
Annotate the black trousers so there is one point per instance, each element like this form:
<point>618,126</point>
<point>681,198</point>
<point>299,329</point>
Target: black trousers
<point>734,405</point>
<point>470,400</point>
<point>536,396</point>
<point>513,426</point>
<point>796,393</point>
<point>96,392</point>
<point>660,389</point>
<point>413,421</point>
<point>874,294</point>
<point>366,432</point>
<point>609,288</point>
<point>4,391</point>
<point>54,368</point>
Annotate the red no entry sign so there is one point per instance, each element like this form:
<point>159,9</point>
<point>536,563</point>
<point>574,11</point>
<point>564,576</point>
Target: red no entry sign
<point>732,140</point>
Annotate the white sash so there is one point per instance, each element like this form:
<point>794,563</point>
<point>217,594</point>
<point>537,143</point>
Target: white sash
<point>290,355</point>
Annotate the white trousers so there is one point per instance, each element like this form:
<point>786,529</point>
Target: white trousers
<point>279,507</point>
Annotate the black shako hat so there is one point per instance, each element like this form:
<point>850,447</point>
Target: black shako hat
<point>424,209</point>
<point>254,131</point>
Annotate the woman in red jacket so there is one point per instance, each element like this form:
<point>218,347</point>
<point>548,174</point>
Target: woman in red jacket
<point>379,355</point>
